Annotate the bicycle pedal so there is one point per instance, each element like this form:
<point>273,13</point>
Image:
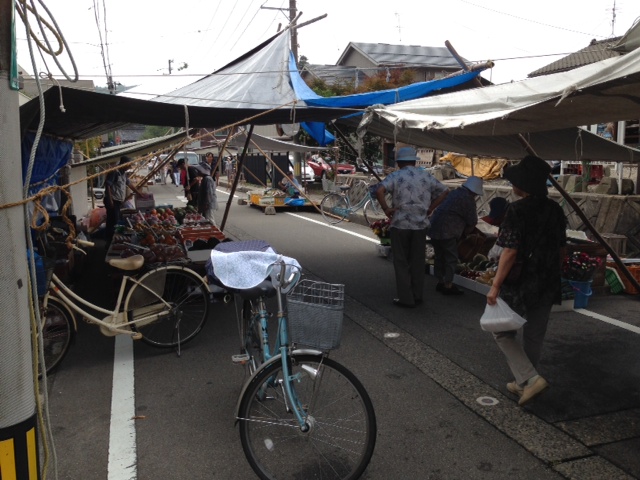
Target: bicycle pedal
<point>240,359</point>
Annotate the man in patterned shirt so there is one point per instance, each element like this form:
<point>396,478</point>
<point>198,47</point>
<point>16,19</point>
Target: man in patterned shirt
<point>415,193</point>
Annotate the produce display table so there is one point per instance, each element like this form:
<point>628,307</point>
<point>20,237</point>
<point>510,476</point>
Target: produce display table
<point>165,236</point>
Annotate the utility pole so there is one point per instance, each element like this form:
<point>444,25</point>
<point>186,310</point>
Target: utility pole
<point>293,11</point>
<point>18,436</point>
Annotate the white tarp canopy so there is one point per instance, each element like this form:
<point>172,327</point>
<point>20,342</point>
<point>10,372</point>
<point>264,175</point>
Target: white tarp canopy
<point>258,79</point>
<point>486,121</point>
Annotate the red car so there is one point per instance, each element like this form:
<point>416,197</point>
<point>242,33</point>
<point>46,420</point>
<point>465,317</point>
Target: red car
<point>320,167</point>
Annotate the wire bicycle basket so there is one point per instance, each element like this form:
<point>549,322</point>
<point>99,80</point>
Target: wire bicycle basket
<point>315,313</point>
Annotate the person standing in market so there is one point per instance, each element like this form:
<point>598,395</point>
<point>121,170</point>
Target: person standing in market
<point>115,193</point>
<point>190,177</point>
<point>207,197</point>
<point>533,235</point>
<point>415,193</point>
<point>456,216</point>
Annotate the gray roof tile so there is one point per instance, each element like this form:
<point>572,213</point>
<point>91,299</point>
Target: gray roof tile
<point>383,54</point>
<point>596,51</point>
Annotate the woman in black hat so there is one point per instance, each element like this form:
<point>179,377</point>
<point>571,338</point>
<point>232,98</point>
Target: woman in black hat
<point>533,234</point>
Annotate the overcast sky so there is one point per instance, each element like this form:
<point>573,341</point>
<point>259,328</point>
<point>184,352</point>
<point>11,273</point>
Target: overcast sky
<point>141,36</point>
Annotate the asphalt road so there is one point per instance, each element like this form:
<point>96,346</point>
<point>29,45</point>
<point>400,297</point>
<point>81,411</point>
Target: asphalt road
<point>429,382</point>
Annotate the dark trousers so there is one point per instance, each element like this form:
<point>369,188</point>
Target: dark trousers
<point>408,249</point>
<point>113,217</point>
<point>446,259</point>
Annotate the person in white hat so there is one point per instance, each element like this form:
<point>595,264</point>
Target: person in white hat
<point>456,216</point>
<point>414,192</point>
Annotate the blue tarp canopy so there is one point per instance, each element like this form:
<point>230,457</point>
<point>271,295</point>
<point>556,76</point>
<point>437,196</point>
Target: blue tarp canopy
<point>318,131</point>
<point>381,97</point>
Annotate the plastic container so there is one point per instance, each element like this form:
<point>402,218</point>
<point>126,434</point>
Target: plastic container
<point>582,292</point>
<point>41,273</point>
<point>614,280</point>
<point>629,288</point>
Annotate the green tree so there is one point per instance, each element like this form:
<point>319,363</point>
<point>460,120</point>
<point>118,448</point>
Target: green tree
<point>154,131</point>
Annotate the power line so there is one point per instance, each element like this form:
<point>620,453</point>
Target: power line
<point>528,19</point>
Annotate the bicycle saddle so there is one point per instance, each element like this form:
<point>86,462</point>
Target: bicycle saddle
<point>131,263</point>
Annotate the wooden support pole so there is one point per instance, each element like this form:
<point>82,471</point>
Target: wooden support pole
<point>236,179</point>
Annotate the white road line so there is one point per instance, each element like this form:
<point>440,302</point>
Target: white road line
<point>325,224</point>
<point>122,435</point>
<point>611,321</point>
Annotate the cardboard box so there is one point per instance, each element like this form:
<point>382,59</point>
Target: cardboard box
<point>146,203</point>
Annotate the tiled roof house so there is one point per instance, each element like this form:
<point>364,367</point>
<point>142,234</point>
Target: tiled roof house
<point>367,59</point>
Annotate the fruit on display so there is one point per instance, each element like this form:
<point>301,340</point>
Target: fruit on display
<point>480,269</point>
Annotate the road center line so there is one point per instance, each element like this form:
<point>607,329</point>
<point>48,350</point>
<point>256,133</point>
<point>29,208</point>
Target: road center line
<point>611,321</point>
<point>325,224</point>
<point>122,434</point>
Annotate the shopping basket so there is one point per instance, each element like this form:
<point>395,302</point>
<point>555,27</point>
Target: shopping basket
<point>315,311</point>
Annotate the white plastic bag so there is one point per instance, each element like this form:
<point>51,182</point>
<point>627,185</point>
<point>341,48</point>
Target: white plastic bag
<point>500,318</point>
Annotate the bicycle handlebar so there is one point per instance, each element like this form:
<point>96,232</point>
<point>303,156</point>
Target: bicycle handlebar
<point>278,277</point>
<point>85,243</point>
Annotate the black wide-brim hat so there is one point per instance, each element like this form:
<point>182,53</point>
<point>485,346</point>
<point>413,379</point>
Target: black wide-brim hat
<point>529,175</point>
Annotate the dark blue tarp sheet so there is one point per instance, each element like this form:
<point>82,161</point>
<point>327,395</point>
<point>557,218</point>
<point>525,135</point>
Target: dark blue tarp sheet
<point>51,155</point>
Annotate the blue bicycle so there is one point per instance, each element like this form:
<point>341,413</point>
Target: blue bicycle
<point>335,207</point>
<point>301,414</point>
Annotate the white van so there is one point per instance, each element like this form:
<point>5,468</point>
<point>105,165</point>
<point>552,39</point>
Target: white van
<point>191,158</point>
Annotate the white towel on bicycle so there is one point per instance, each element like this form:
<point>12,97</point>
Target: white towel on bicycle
<point>248,268</point>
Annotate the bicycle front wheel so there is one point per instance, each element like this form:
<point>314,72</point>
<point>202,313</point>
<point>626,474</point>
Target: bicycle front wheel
<point>342,423</point>
<point>373,211</point>
<point>334,208</point>
<point>177,323</point>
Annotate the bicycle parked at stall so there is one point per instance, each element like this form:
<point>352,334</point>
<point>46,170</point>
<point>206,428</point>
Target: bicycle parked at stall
<point>165,307</point>
<point>335,207</point>
<point>301,414</point>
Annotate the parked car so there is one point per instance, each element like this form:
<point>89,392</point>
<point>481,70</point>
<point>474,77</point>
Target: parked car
<point>306,173</point>
<point>377,168</point>
<point>98,193</point>
<point>192,158</point>
<point>320,167</point>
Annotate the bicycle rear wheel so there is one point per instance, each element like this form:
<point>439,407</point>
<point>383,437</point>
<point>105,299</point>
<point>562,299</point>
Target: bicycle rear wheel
<point>187,296</point>
<point>373,211</point>
<point>334,208</point>
<point>57,334</point>
<point>342,434</point>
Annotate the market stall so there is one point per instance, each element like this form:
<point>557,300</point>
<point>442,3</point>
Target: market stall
<point>165,235</point>
<point>272,197</point>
